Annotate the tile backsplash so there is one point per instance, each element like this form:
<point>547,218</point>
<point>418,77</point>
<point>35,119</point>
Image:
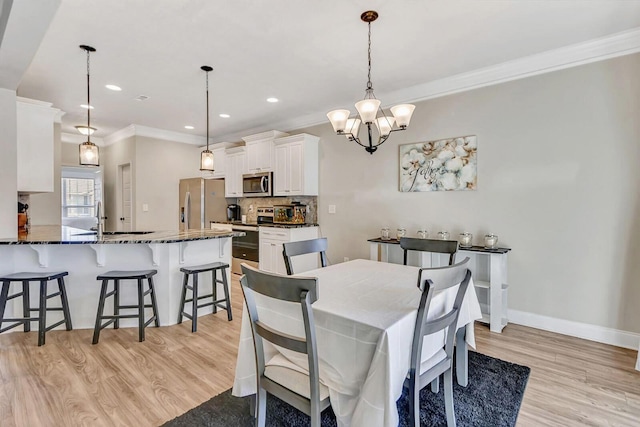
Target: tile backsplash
<point>252,216</point>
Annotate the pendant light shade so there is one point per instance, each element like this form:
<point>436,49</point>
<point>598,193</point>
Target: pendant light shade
<point>206,157</point>
<point>88,151</point>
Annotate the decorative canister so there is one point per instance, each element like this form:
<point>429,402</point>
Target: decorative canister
<point>384,233</point>
<point>465,239</point>
<point>443,235</point>
<point>490,241</point>
<point>400,233</point>
<point>423,234</point>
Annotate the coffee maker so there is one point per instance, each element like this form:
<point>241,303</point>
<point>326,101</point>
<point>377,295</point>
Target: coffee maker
<point>233,213</point>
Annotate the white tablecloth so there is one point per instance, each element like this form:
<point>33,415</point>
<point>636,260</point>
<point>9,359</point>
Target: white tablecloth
<point>365,317</point>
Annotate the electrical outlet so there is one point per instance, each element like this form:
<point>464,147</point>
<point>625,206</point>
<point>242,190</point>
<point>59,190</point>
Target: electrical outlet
<point>250,208</point>
<point>332,209</point>
<point>145,207</point>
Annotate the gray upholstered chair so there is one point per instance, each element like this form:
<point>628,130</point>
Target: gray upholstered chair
<point>421,373</point>
<point>297,389</point>
<point>304,247</point>
<point>429,245</point>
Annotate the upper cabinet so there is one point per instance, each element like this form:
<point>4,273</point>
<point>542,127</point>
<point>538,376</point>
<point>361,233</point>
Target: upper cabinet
<point>35,120</point>
<point>260,153</point>
<point>219,162</point>
<point>234,168</point>
<point>296,165</point>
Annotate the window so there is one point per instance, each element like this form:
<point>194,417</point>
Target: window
<point>78,197</point>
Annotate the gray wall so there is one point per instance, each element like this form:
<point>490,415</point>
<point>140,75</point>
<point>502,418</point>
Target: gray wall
<point>111,157</point>
<point>557,181</point>
<point>8,165</point>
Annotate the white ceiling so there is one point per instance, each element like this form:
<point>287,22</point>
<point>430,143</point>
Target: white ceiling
<point>309,54</point>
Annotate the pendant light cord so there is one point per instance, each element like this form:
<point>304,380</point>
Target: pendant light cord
<point>88,101</point>
<point>207,110</point>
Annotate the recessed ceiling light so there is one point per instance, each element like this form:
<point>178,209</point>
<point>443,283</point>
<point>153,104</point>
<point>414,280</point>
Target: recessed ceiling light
<point>141,98</point>
<point>114,87</point>
<point>272,100</point>
<point>224,116</point>
<point>189,127</point>
<point>88,107</point>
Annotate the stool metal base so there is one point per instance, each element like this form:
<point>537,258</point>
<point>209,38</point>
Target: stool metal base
<point>216,303</point>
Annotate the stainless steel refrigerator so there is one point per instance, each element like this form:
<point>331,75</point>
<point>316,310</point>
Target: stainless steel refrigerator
<point>201,201</point>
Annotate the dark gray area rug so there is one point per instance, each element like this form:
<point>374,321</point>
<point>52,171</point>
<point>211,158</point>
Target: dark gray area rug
<point>491,399</point>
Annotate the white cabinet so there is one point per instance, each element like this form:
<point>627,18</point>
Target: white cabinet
<point>219,162</point>
<point>488,268</point>
<point>296,166</point>
<point>34,127</point>
<point>235,166</point>
<point>270,254</point>
<point>260,151</point>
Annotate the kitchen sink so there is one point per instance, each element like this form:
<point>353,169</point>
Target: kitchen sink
<point>112,233</point>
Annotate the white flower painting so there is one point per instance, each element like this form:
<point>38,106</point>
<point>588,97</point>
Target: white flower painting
<point>444,165</point>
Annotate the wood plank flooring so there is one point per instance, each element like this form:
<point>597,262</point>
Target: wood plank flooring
<point>120,382</point>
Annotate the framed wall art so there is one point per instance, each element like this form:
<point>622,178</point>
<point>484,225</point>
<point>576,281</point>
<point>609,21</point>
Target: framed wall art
<point>442,165</point>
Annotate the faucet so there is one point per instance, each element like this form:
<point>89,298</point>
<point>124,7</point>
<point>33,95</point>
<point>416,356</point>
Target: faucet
<point>100,228</point>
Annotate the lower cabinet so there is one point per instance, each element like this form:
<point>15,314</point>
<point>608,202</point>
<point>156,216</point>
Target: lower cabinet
<point>271,241</point>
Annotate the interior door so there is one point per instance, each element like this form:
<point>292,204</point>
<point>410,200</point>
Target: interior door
<point>126,197</point>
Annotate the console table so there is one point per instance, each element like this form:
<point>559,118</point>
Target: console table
<point>489,268</point>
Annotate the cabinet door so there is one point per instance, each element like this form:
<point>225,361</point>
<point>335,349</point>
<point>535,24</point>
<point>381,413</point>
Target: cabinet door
<point>281,172</point>
<point>253,156</point>
<point>296,169</point>
<point>35,144</point>
<point>259,156</point>
<point>229,179</point>
<point>233,178</point>
<point>219,162</point>
<point>278,258</point>
<point>266,256</point>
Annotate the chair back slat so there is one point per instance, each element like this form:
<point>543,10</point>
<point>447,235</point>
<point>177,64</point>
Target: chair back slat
<point>280,338</point>
<point>272,285</point>
<point>429,245</point>
<point>304,247</point>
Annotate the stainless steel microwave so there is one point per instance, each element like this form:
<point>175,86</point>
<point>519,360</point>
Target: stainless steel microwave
<point>257,184</point>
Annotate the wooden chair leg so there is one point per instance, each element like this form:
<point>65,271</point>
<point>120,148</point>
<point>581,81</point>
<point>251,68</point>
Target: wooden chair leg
<point>183,296</point>
<point>42,313</point>
<point>462,357</point>
<point>26,305</point>
<point>65,303</point>
<point>261,408</point>
<point>154,303</point>
<point>140,311</point>
<point>4,295</point>
<point>448,398</point>
<point>116,303</point>
<point>414,403</point>
<point>194,304</point>
<point>96,329</point>
<point>225,285</point>
<point>435,385</point>
<point>214,290</point>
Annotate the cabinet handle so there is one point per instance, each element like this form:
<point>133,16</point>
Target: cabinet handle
<point>286,191</point>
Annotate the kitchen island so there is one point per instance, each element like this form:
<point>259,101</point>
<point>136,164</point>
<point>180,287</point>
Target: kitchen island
<point>85,256</point>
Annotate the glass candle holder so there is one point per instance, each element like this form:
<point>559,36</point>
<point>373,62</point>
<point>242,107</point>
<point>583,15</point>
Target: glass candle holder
<point>384,234</point>
<point>400,233</point>
<point>423,234</point>
<point>443,235</point>
<point>490,241</point>
<point>465,239</point>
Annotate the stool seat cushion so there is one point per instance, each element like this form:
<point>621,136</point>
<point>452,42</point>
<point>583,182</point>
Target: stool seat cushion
<point>42,275</point>
<point>132,274</point>
<point>203,268</point>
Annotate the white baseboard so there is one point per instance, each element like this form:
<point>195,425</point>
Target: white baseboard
<point>576,329</point>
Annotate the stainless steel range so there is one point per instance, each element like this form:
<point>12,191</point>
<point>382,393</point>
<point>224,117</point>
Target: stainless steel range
<point>247,249</point>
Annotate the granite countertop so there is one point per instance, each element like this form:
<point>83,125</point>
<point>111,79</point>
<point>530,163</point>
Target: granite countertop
<point>255,224</point>
<point>63,235</point>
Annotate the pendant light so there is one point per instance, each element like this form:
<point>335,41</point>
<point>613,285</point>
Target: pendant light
<point>206,157</point>
<point>369,111</point>
<point>89,154</point>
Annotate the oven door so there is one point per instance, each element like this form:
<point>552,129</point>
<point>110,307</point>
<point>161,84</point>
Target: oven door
<point>245,248</point>
<point>257,185</point>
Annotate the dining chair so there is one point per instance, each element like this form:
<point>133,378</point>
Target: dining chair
<point>304,247</point>
<point>421,373</point>
<point>300,390</point>
<point>429,245</point>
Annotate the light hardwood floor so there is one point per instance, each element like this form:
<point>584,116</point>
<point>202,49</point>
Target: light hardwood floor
<point>69,382</point>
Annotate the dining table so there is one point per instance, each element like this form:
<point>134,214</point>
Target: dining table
<point>364,321</point>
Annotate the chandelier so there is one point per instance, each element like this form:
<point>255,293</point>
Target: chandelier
<point>206,157</point>
<point>89,154</point>
<point>369,111</point>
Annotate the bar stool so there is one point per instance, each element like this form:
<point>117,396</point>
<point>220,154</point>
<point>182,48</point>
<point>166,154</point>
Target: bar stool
<point>42,309</point>
<point>194,271</point>
<point>117,276</point>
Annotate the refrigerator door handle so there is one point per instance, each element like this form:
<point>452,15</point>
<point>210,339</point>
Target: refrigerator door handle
<point>187,210</point>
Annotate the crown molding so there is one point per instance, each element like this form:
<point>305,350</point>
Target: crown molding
<point>150,132</point>
<point>76,138</point>
<point>612,46</point>
<point>271,134</point>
